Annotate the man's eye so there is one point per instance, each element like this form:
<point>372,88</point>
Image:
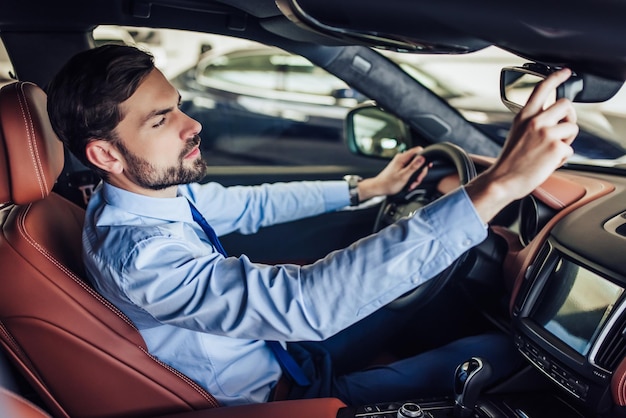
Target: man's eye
<point>159,123</point>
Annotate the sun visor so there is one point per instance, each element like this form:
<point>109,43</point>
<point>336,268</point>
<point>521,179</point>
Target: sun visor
<point>344,24</point>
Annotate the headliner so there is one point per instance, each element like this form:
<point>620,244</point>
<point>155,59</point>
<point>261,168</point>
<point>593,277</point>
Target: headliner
<point>586,35</point>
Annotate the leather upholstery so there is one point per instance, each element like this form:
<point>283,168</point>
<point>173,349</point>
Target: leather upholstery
<point>36,164</point>
<point>14,406</point>
<point>80,353</point>
<point>618,384</point>
<point>305,408</point>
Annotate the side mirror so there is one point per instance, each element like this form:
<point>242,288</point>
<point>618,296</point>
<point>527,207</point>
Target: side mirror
<point>372,132</point>
<point>518,83</point>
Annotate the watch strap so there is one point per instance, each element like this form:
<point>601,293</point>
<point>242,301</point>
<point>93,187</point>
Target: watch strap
<point>353,188</point>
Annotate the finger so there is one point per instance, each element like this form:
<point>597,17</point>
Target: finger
<point>417,150</point>
<point>406,157</point>
<point>561,111</point>
<point>542,91</point>
<point>423,172</point>
<point>415,163</point>
<point>565,132</point>
<point>570,116</point>
<point>414,185</point>
<point>563,154</point>
<point>569,153</point>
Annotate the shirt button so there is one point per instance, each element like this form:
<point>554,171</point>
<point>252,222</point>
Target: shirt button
<point>467,242</point>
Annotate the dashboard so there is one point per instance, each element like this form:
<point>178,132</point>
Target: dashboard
<point>565,273</point>
<point>568,285</point>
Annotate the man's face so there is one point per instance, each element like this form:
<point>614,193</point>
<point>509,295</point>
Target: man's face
<point>158,142</point>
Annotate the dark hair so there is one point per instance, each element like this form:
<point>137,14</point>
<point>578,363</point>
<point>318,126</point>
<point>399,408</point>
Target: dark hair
<point>84,97</point>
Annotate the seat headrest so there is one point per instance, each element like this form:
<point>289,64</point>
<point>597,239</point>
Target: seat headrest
<point>31,155</point>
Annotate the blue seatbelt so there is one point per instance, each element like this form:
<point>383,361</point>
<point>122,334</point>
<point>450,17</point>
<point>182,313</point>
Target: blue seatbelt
<point>287,363</point>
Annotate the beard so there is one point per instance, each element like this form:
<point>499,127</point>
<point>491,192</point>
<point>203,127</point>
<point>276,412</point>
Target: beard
<point>146,175</point>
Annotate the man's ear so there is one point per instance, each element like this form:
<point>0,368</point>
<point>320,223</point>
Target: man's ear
<point>104,155</point>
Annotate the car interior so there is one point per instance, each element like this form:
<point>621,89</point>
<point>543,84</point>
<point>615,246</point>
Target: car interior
<point>550,273</point>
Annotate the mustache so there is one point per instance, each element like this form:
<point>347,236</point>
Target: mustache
<point>190,145</point>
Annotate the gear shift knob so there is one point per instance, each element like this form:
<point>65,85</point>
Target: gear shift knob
<point>470,378</point>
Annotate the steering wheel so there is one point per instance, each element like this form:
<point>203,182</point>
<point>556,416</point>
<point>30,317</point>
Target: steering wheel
<point>443,159</point>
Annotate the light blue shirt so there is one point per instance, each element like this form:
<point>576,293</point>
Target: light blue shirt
<point>209,316</point>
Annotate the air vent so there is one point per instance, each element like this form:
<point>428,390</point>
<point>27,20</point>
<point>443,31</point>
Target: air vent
<point>613,348</point>
<point>617,225</point>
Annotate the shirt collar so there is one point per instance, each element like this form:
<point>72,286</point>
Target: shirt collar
<point>170,209</point>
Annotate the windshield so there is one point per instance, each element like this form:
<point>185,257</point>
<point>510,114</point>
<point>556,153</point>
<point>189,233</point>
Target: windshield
<point>470,83</point>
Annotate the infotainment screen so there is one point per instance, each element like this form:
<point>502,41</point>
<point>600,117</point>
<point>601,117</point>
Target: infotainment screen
<point>574,304</point>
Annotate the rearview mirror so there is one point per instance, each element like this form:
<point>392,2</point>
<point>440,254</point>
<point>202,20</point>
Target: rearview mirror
<point>372,132</point>
<point>518,83</point>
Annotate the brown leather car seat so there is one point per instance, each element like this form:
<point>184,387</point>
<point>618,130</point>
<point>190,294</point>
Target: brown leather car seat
<point>14,406</point>
<point>80,353</point>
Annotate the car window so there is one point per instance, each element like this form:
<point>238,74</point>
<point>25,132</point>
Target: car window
<point>258,105</point>
<point>262,106</point>
<point>242,71</point>
<point>269,73</point>
<point>112,35</point>
<point>469,82</point>
<point>6,67</point>
<point>302,76</point>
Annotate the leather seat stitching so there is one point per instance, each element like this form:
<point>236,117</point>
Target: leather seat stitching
<point>30,135</point>
<point>68,272</point>
<point>193,384</point>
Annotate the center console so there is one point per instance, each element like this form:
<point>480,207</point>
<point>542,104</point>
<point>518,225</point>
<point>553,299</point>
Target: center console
<point>531,406</point>
<point>569,322</point>
<point>569,319</point>
<point>419,408</point>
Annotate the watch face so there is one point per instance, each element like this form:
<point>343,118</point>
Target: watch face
<point>352,180</point>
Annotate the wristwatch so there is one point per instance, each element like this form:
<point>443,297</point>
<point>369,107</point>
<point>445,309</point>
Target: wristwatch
<point>353,182</point>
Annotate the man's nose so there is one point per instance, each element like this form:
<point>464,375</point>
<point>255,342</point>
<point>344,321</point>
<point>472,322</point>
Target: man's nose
<point>192,127</point>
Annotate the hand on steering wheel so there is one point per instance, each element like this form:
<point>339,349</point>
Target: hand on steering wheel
<point>442,159</point>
